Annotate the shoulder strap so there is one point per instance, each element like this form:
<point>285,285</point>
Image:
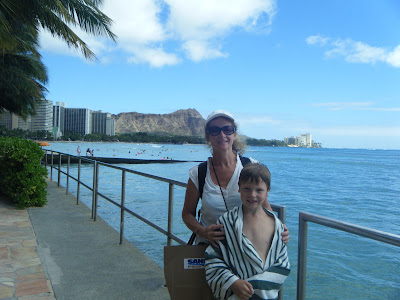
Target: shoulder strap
<point>244,160</point>
<point>202,171</point>
<point>202,176</point>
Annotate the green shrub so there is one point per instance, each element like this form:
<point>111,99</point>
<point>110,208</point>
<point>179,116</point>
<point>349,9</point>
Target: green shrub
<point>22,177</point>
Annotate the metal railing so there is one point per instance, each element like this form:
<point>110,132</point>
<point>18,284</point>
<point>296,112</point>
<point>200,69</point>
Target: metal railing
<point>338,225</point>
<point>281,210</point>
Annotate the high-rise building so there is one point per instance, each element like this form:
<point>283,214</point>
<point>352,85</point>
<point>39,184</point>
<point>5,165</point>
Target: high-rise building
<point>59,118</point>
<point>59,115</point>
<point>24,124</point>
<point>43,120</point>
<point>12,121</point>
<point>304,140</point>
<point>8,120</point>
<point>77,120</point>
<point>290,140</point>
<point>103,123</point>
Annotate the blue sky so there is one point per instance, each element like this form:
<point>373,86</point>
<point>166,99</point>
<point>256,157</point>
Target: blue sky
<point>282,68</point>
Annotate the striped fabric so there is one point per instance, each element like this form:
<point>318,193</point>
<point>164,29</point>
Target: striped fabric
<point>238,259</point>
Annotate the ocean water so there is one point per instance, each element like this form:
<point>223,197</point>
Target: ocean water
<point>352,185</point>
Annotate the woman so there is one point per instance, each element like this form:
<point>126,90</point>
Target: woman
<point>220,192</point>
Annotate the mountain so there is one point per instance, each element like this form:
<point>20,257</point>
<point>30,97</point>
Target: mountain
<point>181,122</point>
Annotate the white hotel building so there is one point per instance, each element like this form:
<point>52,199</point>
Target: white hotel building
<point>59,119</point>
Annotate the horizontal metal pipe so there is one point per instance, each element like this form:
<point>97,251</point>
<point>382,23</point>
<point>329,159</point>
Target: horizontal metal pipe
<point>279,208</point>
<point>378,235</point>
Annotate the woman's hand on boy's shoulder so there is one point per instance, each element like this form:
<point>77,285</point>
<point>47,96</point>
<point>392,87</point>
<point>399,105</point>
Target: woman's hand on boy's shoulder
<point>285,234</point>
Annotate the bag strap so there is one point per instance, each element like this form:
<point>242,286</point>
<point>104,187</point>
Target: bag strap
<point>202,172</point>
<point>192,238</point>
<point>244,160</point>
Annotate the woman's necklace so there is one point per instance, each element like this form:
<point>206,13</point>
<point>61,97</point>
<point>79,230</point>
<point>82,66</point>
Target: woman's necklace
<point>212,163</point>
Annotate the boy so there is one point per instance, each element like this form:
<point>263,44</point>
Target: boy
<point>252,260</point>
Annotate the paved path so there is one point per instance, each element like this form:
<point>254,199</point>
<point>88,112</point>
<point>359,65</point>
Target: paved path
<point>21,273</point>
<point>82,259</point>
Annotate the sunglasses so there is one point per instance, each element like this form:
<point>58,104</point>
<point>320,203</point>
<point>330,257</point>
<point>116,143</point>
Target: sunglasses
<point>227,130</point>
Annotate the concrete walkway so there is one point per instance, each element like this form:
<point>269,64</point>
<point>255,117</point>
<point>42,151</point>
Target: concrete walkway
<point>82,259</point>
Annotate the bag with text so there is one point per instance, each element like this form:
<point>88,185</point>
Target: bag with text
<point>185,274</point>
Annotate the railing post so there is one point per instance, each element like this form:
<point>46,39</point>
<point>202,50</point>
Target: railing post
<point>59,169</point>
<point>170,212</point>
<point>121,228</point>
<point>95,186</point>
<point>281,210</point>
<point>51,168</point>
<point>302,259</point>
<point>79,181</point>
<point>283,214</point>
<point>69,161</point>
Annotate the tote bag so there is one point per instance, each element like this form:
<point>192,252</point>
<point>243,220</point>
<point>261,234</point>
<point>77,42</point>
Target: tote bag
<point>185,274</point>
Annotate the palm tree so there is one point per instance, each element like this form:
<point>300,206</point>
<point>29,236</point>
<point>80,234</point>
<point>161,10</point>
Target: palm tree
<point>56,16</point>
<point>22,73</point>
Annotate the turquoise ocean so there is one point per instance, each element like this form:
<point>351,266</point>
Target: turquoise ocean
<point>352,185</point>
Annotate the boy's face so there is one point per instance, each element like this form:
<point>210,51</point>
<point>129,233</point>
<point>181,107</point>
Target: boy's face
<point>253,195</point>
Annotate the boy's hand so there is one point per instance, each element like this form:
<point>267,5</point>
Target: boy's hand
<point>285,235</point>
<point>243,289</point>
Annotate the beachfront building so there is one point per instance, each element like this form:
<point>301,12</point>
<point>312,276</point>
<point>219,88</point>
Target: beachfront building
<point>43,119</point>
<point>24,124</point>
<point>103,123</point>
<point>77,120</point>
<point>58,119</point>
<point>9,120</point>
<point>304,140</point>
<point>290,140</point>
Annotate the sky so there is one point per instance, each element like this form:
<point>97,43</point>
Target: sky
<point>282,68</point>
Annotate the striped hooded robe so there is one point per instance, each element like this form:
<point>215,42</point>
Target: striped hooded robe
<point>238,259</point>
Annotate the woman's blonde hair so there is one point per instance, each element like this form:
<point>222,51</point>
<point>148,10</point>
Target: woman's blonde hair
<point>238,146</point>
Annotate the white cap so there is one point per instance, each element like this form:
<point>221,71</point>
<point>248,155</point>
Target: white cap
<point>219,113</point>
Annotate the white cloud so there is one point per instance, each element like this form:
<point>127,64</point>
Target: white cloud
<point>55,45</point>
<point>200,50</point>
<point>365,131</point>
<point>317,40</point>
<point>343,105</point>
<point>135,22</point>
<point>196,28</point>
<point>393,57</point>
<point>200,23</point>
<point>209,18</point>
<point>356,52</point>
<point>154,57</point>
<point>355,106</point>
<point>258,121</point>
